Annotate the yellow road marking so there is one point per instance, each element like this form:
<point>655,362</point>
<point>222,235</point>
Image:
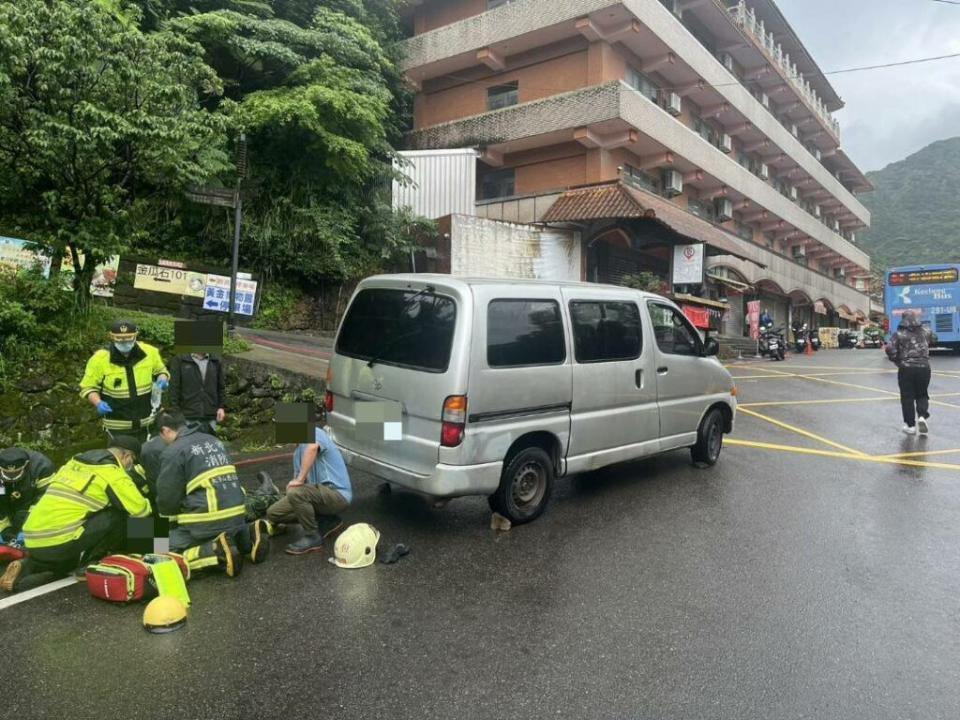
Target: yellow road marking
<point>777,403</point>
<point>867,387</point>
<point>801,431</point>
<point>840,455</point>
<point>811,375</point>
<point>926,453</point>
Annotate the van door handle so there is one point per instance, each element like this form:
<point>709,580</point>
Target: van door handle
<point>663,370</point>
<point>639,378</point>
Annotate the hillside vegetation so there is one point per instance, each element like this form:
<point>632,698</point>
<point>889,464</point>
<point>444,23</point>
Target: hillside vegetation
<point>916,218</point>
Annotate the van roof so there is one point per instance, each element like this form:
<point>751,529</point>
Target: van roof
<point>464,282</point>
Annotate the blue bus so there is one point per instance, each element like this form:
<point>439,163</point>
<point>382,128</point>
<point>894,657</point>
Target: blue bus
<point>934,291</point>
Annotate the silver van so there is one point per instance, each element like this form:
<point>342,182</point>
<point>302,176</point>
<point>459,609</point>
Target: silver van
<point>452,386</point>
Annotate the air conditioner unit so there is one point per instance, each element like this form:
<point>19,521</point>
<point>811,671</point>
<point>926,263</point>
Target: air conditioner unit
<point>840,273</point>
<point>672,183</point>
<point>727,60</point>
<point>794,195</point>
<point>817,154</point>
<point>794,130</point>
<point>853,238</point>
<point>673,103</point>
<point>675,7</point>
<point>724,209</point>
<point>836,226</point>
<point>817,212</point>
<point>726,143</point>
<point>764,171</point>
<point>799,251</point>
<point>765,100</point>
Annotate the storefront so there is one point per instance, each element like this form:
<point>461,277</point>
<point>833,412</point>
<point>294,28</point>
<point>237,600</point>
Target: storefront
<point>726,285</point>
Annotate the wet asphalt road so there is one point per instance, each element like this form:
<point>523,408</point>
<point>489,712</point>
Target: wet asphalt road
<point>779,584</point>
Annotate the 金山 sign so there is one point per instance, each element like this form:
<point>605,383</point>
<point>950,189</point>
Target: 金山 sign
<point>217,295</point>
<point>175,281</point>
<point>942,276</point>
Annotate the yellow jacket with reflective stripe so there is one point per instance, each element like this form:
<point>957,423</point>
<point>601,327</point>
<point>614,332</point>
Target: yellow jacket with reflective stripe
<point>87,484</point>
<point>125,383</point>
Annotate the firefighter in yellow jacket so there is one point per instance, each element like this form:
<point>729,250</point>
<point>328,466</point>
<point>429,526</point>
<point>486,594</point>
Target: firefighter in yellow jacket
<point>120,379</point>
<point>80,516</point>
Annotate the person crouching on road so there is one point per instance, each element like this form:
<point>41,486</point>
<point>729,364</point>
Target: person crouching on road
<point>119,381</point>
<point>198,489</point>
<point>909,348</point>
<point>319,492</point>
<point>80,517</point>
<point>24,475</point>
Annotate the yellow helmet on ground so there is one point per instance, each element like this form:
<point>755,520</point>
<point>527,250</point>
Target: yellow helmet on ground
<point>164,614</point>
<point>356,547</point>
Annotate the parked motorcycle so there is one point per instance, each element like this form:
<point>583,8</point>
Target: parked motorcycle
<point>773,343</point>
<point>872,337</point>
<point>847,339</point>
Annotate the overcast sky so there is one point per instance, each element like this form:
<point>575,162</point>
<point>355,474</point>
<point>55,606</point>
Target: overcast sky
<point>889,113</point>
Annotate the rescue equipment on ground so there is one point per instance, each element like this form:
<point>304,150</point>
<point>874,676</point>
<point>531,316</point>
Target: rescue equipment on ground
<point>356,547</point>
<point>130,578</point>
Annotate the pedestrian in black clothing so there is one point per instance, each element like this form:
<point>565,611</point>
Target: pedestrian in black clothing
<point>909,348</point>
<point>197,389</point>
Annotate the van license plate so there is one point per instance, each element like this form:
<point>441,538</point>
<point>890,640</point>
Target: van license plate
<point>379,421</point>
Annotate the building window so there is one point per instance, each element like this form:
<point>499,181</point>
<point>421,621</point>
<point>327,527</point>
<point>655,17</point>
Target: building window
<point>498,184</point>
<point>702,209</point>
<point>644,85</point>
<point>501,96</point>
<point>521,333</point>
<point>743,230</point>
<point>639,179</point>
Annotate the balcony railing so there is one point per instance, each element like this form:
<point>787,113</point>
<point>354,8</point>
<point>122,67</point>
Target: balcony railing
<point>746,19</point>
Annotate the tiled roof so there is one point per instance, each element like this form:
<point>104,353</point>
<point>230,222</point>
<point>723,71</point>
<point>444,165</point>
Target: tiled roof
<point>618,201</point>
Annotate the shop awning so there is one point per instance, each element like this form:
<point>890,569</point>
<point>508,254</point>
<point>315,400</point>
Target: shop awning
<point>706,302</point>
<point>740,287</point>
<point>847,316</point>
<point>616,201</point>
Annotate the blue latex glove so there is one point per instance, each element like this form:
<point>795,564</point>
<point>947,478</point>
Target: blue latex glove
<point>20,539</point>
<point>162,383</point>
<point>103,408</point>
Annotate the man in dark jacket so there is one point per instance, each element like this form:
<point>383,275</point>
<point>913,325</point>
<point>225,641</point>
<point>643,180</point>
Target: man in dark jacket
<point>909,348</point>
<point>197,388</point>
<point>198,489</point>
<point>24,475</point>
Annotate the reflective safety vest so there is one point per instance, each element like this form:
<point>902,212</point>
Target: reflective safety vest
<point>87,484</point>
<point>125,383</point>
<point>212,497</point>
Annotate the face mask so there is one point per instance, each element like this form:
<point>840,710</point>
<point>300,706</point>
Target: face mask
<point>125,347</point>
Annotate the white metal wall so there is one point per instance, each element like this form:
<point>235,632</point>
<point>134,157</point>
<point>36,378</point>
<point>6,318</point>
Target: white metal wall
<point>488,248</point>
<point>441,182</point>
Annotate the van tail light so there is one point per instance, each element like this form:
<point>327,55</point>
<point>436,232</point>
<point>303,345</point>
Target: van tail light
<point>328,402</point>
<point>453,420</point>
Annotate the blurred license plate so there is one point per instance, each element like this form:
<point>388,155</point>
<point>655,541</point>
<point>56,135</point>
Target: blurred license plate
<point>380,421</point>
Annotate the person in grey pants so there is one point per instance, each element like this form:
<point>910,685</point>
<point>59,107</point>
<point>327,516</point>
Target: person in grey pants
<point>316,496</point>
<point>909,348</point>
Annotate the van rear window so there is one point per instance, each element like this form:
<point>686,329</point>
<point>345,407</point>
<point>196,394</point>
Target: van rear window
<point>399,327</point>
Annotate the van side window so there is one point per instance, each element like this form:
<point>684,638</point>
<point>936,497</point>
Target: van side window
<point>675,335</point>
<point>605,331</point>
<point>524,332</point>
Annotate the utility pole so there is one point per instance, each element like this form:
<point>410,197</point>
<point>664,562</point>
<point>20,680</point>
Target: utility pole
<point>237,217</point>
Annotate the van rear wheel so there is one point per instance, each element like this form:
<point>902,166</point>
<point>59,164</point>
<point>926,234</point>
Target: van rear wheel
<point>709,440</point>
<point>525,486</point>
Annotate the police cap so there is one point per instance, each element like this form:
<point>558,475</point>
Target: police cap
<point>123,330</point>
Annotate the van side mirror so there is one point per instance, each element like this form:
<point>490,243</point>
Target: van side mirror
<point>711,347</point>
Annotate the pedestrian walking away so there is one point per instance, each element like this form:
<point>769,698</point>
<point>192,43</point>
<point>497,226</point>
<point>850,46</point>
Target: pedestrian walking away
<point>198,489</point>
<point>120,380</point>
<point>319,492</point>
<point>198,389</point>
<point>80,516</point>
<point>909,349</point>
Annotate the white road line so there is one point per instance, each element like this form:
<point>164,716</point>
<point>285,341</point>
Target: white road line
<point>37,592</point>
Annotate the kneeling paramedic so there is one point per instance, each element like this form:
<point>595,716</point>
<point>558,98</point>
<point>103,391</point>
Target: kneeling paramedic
<point>81,515</point>
<point>24,475</point>
<point>198,489</point>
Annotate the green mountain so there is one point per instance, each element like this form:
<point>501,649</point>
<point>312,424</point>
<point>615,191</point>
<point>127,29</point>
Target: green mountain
<point>916,213</point>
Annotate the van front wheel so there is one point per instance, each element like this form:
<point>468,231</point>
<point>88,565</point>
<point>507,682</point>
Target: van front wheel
<point>709,440</point>
<point>525,486</point>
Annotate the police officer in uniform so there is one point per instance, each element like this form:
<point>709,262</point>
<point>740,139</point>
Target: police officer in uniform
<point>80,516</point>
<point>119,381</point>
<point>24,475</point>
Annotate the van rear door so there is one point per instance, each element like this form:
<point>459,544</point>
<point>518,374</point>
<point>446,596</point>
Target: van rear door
<point>393,367</point>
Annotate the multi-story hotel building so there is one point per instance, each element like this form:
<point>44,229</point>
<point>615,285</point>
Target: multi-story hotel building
<point>646,122</point>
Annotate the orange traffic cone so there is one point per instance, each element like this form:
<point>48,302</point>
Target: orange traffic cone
<point>809,348</point>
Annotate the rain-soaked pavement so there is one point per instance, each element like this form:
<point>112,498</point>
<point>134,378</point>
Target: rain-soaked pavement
<point>806,576</point>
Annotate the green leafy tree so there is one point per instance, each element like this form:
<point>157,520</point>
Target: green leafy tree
<point>98,121</point>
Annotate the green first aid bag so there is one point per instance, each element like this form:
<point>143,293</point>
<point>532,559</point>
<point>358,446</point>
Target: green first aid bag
<point>168,577</point>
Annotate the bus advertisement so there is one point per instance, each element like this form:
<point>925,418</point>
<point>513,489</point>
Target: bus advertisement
<point>931,290</point>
